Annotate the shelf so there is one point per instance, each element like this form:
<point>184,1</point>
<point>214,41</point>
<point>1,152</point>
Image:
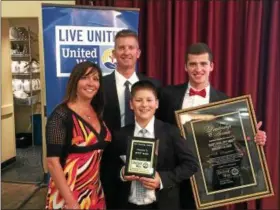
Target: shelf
<point>19,40</point>
<point>21,50</point>
<point>27,101</point>
<point>37,90</point>
<point>20,55</point>
<point>25,74</point>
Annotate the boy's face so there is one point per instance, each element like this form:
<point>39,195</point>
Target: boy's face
<point>144,104</point>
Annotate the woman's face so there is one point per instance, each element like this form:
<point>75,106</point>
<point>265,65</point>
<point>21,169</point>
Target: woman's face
<point>88,85</point>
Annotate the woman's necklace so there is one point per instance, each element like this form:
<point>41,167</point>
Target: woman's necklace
<point>87,116</point>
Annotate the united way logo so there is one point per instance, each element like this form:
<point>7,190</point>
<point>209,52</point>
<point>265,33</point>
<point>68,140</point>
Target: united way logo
<point>234,171</point>
<point>108,60</point>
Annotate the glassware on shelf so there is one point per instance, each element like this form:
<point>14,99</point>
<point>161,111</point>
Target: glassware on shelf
<point>18,33</point>
<point>23,67</point>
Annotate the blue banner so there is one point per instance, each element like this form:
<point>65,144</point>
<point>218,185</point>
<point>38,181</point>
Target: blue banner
<point>74,34</point>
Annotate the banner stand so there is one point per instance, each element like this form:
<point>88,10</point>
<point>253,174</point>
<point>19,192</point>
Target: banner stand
<point>72,34</point>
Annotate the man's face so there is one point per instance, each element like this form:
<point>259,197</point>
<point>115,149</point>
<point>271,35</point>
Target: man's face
<point>199,68</point>
<point>126,52</point>
<point>144,104</point>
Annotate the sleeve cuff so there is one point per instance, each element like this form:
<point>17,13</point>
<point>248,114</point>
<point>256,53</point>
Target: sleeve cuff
<point>121,175</point>
<point>161,185</point>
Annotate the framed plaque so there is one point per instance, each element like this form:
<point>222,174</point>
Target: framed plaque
<point>141,157</point>
<point>232,166</point>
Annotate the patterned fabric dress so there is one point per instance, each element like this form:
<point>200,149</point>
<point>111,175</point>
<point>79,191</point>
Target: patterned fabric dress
<point>81,162</point>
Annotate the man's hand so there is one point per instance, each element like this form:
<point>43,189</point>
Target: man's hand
<point>129,178</point>
<point>260,137</point>
<point>151,183</point>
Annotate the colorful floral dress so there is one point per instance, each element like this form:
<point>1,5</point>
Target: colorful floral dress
<point>80,149</point>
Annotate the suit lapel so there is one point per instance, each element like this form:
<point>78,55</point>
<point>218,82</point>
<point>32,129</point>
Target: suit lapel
<point>179,98</point>
<point>160,135</point>
<point>113,97</point>
<point>140,76</point>
<point>129,132</point>
<point>213,95</point>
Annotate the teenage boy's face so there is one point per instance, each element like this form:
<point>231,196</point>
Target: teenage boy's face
<point>199,68</point>
<point>144,104</point>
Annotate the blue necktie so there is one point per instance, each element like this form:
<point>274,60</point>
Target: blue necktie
<point>129,115</point>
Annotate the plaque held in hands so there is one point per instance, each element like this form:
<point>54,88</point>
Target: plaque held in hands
<point>141,156</point>
<point>232,167</point>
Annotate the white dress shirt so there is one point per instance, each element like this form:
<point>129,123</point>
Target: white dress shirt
<point>150,194</point>
<point>120,80</point>
<point>195,100</point>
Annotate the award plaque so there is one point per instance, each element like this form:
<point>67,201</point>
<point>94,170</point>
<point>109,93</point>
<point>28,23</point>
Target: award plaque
<point>232,166</point>
<point>141,157</point>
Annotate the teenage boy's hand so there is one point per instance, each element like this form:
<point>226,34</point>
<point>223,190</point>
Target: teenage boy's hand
<point>151,183</point>
<point>260,137</point>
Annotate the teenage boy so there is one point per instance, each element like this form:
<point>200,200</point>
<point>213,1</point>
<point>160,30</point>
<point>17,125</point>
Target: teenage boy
<point>197,91</point>
<point>175,161</point>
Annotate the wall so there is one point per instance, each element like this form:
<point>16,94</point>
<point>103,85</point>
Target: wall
<point>11,8</point>
<point>8,145</point>
<point>28,9</point>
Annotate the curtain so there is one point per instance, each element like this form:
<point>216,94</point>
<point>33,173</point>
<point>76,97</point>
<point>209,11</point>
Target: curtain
<point>244,37</point>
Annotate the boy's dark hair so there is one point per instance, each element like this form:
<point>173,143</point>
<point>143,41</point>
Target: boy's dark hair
<point>197,49</point>
<point>143,85</point>
<point>126,33</point>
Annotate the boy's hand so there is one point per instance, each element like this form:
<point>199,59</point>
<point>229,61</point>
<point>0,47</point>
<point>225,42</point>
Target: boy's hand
<point>129,178</point>
<point>151,183</point>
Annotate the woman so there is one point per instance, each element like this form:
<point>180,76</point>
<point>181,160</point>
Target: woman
<point>76,137</point>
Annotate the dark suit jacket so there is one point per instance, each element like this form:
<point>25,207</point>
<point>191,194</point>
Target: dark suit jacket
<point>112,119</point>
<point>112,116</point>
<point>175,163</point>
<point>171,100</point>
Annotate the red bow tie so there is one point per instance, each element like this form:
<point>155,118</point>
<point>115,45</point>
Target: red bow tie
<point>201,93</point>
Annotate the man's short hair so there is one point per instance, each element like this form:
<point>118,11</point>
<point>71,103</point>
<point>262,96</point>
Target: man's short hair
<point>143,85</point>
<point>198,49</point>
<point>126,33</point>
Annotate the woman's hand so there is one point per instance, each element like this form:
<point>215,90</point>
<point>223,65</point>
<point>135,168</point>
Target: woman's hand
<point>74,205</point>
<point>59,179</point>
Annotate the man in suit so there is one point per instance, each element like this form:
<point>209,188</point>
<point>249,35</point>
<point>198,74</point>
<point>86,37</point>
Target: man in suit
<point>197,91</point>
<point>126,52</point>
<point>175,161</point>
<point>117,112</point>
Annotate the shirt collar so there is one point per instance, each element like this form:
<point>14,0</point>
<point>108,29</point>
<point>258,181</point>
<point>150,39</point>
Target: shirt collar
<point>150,126</point>
<point>120,79</point>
